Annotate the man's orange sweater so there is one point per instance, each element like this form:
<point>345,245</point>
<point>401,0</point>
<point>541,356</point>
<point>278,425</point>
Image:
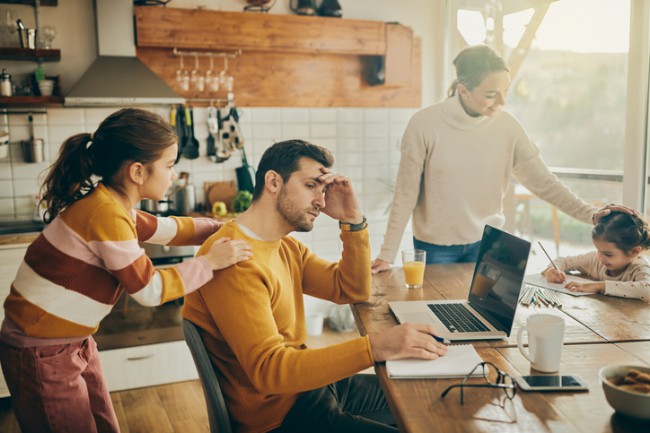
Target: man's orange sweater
<point>254,322</point>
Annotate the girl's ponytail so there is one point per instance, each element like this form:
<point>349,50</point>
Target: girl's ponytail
<point>70,177</point>
<point>644,230</point>
<point>126,136</point>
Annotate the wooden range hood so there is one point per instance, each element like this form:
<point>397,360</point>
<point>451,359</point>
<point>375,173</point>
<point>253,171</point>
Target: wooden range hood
<point>287,60</point>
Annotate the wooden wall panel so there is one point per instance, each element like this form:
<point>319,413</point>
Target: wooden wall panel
<point>276,79</point>
<point>399,55</point>
<point>287,60</point>
<point>202,29</point>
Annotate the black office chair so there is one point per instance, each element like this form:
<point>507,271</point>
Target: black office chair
<point>217,412</point>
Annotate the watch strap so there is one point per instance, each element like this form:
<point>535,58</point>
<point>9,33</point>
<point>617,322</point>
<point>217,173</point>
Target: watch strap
<point>348,227</point>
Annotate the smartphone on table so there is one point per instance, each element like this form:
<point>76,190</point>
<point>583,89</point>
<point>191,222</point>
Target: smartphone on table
<point>551,383</point>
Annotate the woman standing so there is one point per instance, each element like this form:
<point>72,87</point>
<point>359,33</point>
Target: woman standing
<point>457,158</point>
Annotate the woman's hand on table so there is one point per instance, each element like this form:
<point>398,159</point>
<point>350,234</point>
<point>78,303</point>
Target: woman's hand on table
<point>379,265</point>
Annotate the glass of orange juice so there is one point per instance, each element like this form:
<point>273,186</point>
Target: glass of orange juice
<point>414,262</point>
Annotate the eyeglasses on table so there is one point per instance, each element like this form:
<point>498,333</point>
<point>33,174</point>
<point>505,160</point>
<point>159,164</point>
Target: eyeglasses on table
<point>503,381</point>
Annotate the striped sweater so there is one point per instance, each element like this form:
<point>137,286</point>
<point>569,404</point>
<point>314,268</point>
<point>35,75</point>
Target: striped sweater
<point>81,263</point>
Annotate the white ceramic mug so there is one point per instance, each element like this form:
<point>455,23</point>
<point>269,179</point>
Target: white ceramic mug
<point>545,341</point>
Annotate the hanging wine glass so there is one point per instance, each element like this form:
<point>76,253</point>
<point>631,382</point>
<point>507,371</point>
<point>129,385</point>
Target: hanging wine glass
<point>230,83</point>
<point>196,78</point>
<point>182,76</point>
<point>223,75</point>
<point>211,79</point>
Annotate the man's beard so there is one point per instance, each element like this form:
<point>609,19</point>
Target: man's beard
<point>295,218</point>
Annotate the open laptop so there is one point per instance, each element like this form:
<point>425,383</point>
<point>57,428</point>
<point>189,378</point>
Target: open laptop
<point>489,310</point>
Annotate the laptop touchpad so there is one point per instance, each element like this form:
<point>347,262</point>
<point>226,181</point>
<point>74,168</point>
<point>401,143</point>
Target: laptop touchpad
<point>417,318</point>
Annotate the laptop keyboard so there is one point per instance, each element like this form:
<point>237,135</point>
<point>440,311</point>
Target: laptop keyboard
<point>457,318</point>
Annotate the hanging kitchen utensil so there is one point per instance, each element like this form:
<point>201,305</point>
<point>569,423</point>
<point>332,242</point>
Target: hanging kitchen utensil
<point>180,131</point>
<point>213,128</point>
<point>230,132</point>
<point>34,147</point>
<point>223,153</point>
<point>245,174</point>
<point>191,148</point>
<point>172,123</point>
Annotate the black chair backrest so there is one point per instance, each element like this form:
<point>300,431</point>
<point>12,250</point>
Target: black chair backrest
<point>217,411</point>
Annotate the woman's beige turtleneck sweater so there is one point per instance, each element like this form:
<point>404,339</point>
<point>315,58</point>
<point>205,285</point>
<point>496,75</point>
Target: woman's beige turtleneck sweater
<point>454,173</point>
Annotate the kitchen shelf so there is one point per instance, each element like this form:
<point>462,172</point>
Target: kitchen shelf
<point>209,30</point>
<point>288,60</point>
<point>37,55</point>
<point>30,101</point>
<point>30,2</point>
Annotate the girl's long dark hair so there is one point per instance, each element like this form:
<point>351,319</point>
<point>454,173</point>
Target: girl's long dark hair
<point>128,135</point>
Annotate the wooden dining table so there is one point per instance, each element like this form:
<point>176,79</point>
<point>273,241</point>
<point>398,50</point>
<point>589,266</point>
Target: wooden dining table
<point>600,331</point>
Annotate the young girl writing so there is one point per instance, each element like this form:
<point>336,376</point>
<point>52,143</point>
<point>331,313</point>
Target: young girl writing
<point>85,258</point>
<point>617,266</point>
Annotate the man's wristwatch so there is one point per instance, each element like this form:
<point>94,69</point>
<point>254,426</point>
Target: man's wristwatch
<point>347,227</point>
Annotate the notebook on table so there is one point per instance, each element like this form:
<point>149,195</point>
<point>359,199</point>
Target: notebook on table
<point>489,310</point>
<point>458,362</point>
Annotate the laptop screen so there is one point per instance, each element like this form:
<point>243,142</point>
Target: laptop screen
<point>498,276</point>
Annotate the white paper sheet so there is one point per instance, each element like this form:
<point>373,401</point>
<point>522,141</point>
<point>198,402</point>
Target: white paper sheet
<point>540,281</point>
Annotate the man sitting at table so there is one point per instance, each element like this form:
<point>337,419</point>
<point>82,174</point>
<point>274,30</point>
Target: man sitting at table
<point>252,313</point>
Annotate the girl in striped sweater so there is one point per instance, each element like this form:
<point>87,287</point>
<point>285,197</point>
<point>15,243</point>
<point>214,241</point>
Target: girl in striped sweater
<point>85,258</point>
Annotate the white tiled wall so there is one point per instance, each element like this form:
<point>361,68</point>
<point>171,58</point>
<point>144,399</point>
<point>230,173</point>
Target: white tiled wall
<point>365,144</point>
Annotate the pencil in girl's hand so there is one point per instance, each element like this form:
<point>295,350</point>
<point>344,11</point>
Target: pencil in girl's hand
<point>549,257</point>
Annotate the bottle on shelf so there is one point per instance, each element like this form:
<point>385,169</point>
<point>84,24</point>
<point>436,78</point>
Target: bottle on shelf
<point>5,83</point>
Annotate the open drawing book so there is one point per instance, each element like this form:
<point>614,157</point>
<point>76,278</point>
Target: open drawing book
<point>458,362</point>
<point>540,281</point>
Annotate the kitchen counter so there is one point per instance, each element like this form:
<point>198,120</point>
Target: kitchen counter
<point>16,232</point>
<point>10,227</point>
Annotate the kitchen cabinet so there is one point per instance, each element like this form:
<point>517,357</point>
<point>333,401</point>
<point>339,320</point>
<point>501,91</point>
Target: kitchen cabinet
<point>149,365</point>
<point>11,256</point>
<point>288,60</point>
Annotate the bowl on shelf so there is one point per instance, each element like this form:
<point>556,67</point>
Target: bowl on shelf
<point>46,87</point>
<point>625,401</point>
